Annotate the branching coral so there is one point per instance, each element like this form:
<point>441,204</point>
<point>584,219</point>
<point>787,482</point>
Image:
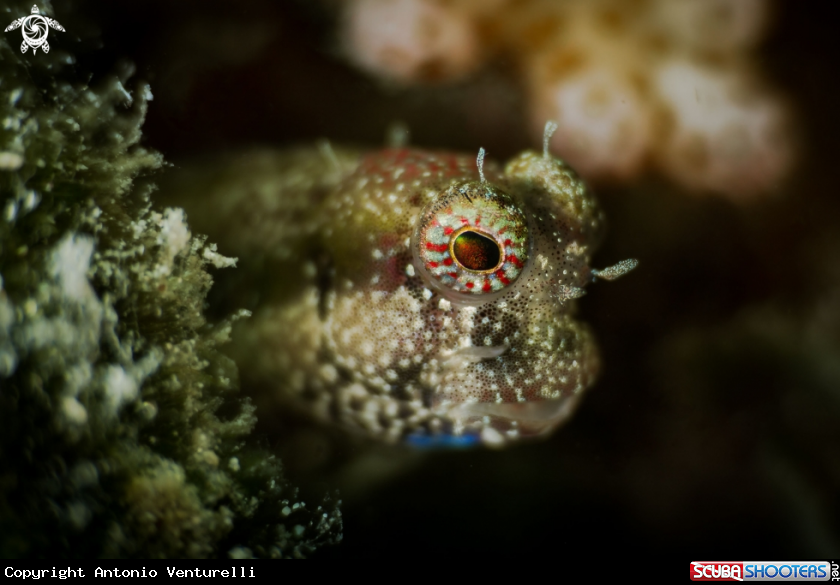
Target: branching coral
<point>120,430</point>
<point>664,83</point>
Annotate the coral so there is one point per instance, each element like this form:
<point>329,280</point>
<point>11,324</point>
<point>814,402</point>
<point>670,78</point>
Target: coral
<point>121,432</point>
<point>725,135</point>
<point>411,39</point>
<point>671,84</point>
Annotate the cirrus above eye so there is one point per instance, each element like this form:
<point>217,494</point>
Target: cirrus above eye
<point>473,240</point>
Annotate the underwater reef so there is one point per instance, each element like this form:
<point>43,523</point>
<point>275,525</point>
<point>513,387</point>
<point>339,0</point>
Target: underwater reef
<point>712,431</point>
<point>122,430</point>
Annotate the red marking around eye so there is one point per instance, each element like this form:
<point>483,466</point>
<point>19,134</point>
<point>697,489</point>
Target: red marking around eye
<point>469,285</point>
<point>436,247</point>
<point>447,262</point>
<point>453,274</point>
<point>501,276</point>
<point>447,230</point>
<point>477,219</point>
<point>434,264</point>
<point>464,220</point>
<point>502,230</point>
<point>515,260</point>
<point>507,242</point>
<point>486,287</point>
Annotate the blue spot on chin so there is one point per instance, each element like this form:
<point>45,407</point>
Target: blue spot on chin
<point>442,441</point>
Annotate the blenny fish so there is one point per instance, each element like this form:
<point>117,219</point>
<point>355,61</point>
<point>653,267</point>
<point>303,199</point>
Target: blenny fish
<point>416,296</point>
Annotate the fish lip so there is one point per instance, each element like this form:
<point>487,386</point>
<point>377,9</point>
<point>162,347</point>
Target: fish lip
<point>536,412</point>
<point>527,418</point>
<point>509,421</point>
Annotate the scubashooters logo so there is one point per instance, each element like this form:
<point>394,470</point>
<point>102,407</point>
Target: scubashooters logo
<point>761,571</point>
<point>35,27</point>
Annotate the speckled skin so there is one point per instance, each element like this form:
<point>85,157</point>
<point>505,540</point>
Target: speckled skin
<point>348,322</point>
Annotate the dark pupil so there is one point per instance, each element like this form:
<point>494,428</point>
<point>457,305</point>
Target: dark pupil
<point>476,252</point>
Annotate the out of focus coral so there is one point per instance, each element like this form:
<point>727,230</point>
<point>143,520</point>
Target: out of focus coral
<point>121,433</point>
<point>671,84</point>
<point>412,40</point>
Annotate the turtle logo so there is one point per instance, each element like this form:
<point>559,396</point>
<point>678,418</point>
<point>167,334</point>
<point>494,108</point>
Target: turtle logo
<point>35,29</point>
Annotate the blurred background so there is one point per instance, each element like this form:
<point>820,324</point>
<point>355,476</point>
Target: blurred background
<point>709,129</point>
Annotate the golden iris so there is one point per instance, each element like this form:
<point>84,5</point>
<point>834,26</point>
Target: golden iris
<point>475,251</point>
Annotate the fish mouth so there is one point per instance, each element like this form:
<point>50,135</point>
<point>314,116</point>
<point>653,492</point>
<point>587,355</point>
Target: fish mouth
<point>528,418</point>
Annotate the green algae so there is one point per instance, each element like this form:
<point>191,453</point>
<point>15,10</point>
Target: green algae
<point>122,433</point>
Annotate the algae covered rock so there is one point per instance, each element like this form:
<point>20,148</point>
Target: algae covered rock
<point>121,430</point>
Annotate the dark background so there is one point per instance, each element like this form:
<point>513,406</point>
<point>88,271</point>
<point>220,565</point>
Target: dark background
<point>714,430</point>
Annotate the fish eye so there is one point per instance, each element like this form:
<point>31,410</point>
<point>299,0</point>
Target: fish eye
<point>473,250</point>
<point>472,240</point>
